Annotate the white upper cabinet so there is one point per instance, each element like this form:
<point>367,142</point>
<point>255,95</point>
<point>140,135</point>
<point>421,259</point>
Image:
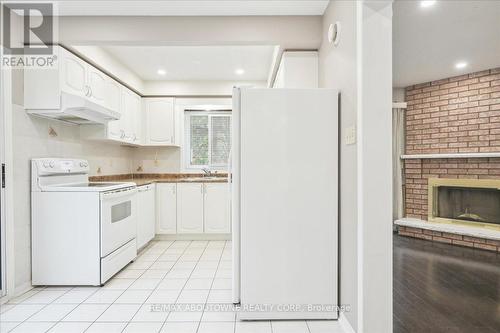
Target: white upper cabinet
<point>113,102</point>
<point>128,128</point>
<point>189,208</point>
<point>159,116</point>
<point>73,73</point>
<point>131,116</point>
<point>71,84</point>
<point>166,208</point>
<point>96,85</point>
<point>137,119</point>
<point>297,69</point>
<point>216,208</point>
<point>143,121</point>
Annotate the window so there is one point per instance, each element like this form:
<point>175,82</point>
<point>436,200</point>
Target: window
<point>208,139</point>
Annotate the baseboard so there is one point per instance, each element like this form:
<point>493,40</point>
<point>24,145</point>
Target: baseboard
<point>194,237</point>
<point>345,324</point>
<point>19,290</point>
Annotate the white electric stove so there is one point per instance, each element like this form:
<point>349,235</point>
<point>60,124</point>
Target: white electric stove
<point>83,232</point>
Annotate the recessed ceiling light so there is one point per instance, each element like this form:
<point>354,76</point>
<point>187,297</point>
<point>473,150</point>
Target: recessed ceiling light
<point>240,71</point>
<point>161,72</point>
<point>460,65</point>
<point>427,3</point>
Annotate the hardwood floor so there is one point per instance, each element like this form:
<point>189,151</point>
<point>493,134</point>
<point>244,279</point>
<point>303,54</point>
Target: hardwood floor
<point>444,288</point>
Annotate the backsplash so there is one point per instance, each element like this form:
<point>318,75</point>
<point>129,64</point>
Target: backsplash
<point>156,160</point>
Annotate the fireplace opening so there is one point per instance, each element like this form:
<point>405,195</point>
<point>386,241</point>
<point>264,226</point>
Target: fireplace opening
<point>470,204</point>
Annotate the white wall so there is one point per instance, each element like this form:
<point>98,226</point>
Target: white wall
<point>398,94</point>
<point>361,68</point>
<point>193,88</point>
<point>290,32</point>
<point>375,166</point>
<point>337,69</point>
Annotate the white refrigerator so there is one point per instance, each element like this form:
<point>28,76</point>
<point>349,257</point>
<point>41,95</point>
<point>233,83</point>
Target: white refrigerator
<point>285,203</point>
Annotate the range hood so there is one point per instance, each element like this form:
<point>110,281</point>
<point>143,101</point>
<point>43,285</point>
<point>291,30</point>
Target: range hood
<point>78,110</point>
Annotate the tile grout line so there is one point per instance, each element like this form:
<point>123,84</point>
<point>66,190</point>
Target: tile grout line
<point>93,322</point>
<point>187,280</point>
<point>180,291</point>
<point>213,279</point>
<point>43,307</point>
<point>128,322</point>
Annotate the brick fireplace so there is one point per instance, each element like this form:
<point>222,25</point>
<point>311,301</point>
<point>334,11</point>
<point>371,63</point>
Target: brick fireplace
<point>452,131</point>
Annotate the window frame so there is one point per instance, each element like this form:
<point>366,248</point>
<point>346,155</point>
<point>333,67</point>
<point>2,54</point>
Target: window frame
<point>187,137</point>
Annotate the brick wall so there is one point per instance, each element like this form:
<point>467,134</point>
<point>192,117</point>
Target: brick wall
<point>444,237</point>
<point>418,171</point>
<point>455,115</point>
<point>458,114</point>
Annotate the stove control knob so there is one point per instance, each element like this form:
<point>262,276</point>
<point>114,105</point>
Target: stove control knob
<point>52,164</point>
<point>46,164</point>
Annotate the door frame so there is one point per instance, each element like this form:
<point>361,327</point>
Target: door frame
<point>7,221</point>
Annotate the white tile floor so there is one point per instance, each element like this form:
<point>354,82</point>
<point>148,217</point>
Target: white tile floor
<point>166,272</point>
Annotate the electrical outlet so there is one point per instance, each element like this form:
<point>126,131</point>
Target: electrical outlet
<point>350,135</point>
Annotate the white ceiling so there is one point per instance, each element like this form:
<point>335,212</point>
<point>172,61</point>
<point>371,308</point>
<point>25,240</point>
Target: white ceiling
<point>196,62</point>
<point>427,42</point>
<point>190,7</point>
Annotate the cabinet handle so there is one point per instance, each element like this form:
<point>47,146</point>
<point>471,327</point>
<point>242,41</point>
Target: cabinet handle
<point>173,189</point>
<point>87,90</point>
<point>90,91</point>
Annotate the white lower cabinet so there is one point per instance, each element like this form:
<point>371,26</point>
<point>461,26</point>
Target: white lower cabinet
<point>216,208</point>
<point>192,208</point>
<point>166,208</point>
<point>189,208</point>
<point>146,215</point>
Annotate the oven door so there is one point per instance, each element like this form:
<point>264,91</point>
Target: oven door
<point>118,219</point>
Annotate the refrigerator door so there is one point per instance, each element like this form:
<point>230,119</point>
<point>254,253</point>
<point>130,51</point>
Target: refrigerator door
<point>288,162</point>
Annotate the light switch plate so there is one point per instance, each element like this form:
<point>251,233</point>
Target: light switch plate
<point>350,135</point>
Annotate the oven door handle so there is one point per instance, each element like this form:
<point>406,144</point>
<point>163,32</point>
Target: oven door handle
<point>119,194</point>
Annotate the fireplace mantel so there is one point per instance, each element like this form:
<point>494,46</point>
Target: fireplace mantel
<point>457,155</point>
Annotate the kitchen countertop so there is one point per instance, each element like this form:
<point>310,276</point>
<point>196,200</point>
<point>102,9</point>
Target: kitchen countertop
<point>145,179</point>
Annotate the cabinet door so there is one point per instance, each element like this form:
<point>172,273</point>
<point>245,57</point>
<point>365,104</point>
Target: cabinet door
<point>73,74</point>
<point>113,97</point>
<point>126,120</point>
<point>166,208</point>
<point>150,216</point>
<point>189,208</point>
<point>216,208</point>
<point>137,119</point>
<point>141,218</point>
<point>146,216</point>
<point>160,121</point>
<point>97,85</point>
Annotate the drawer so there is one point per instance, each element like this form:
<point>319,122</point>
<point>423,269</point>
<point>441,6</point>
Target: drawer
<point>116,260</point>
